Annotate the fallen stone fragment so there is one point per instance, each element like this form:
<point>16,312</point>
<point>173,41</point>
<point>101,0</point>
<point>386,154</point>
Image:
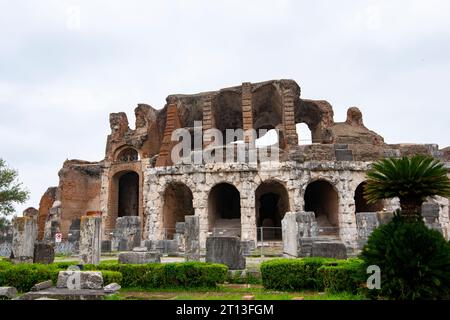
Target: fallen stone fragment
<point>8,292</point>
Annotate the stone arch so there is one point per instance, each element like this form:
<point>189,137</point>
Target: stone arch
<point>125,196</point>
<point>304,133</point>
<point>271,203</point>
<point>224,210</point>
<point>361,204</point>
<point>127,154</point>
<point>178,203</point>
<point>322,198</point>
<point>128,194</point>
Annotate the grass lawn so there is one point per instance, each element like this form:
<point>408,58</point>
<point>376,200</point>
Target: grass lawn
<point>226,292</point>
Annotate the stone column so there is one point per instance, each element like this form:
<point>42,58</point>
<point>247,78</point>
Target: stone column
<point>25,232</point>
<point>90,239</point>
<point>248,215</point>
<point>192,239</point>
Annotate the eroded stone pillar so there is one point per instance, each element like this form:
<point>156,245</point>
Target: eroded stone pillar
<point>192,238</point>
<point>25,232</point>
<point>298,230</point>
<point>90,239</point>
<point>127,234</point>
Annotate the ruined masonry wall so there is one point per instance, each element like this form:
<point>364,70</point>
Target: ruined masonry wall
<point>345,177</point>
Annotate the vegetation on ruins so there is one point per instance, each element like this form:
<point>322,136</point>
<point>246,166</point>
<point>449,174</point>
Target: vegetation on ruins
<point>414,260</point>
<point>11,191</point>
<point>411,179</point>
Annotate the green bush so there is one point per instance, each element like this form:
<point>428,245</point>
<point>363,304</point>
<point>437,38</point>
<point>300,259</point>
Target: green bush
<point>156,275</point>
<point>346,276</point>
<point>111,276</point>
<point>294,274</point>
<point>25,276</point>
<point>414,261</point>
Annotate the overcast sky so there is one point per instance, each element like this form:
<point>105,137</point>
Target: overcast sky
<point>65,65</point>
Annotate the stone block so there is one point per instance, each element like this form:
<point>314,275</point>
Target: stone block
<point>112,288</point>
<point>298,229</point>
<point>329,249</point>
<point>42,285</point>
<point>139,257</point>
<point>8,292</point>
<point>90,239</point>
<point>44,253</point>
<point>92,280</point>
<point>366,222</point>
<point>25,231</point>
<point>225,250</point>
<point>127,233</point>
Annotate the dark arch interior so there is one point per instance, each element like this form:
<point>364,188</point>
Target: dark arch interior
<point>322,199</point>
<point>227,112</point>
<point>224,209</point>
<point>361,204</point>
<point>267,106</point>
<point>129,194</point>
<point>177,205</point>
<point>272,202</point>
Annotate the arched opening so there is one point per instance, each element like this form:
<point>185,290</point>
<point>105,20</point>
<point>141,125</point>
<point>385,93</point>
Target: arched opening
<point>322,199</point>
<point>267,139</point>
<point>127,155</point>
<point>361,204</point>
<point>224,210</point>
<point>303,134</point>
<point>267,107</point>
<point>177,205</point>
<point>272,202</point>
<point>128,195</point>
<point>227,113</point>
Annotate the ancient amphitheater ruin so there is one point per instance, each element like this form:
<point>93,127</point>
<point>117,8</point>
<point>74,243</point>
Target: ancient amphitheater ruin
<point>141,194</point>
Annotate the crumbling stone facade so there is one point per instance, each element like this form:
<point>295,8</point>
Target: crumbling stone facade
<point>137,177</point>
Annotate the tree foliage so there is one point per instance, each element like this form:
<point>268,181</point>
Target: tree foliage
<point>11,191</point>
<point>411,179</point>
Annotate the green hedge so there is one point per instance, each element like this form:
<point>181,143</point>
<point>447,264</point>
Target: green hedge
<point>25,276</point>
<point>346,276</point>
<point>317,274</point>
<point>153,275</point>
<point>156,275</point>
<point>111,276</point>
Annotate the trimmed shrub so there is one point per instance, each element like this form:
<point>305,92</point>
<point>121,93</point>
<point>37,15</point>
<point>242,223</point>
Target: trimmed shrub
<point>111,276</point>
<point>346,276</point>
<point>414,261</point>
<point>156,275</point>
<point>25,276</point>
<point>294,274</point>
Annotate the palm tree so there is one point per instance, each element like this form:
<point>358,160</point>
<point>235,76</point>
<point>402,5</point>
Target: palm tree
<point>411,179</point>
